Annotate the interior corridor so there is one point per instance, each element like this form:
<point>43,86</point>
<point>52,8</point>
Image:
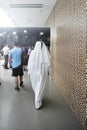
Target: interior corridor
<point>17,111</point>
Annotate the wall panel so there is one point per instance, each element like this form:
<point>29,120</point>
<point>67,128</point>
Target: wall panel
<point>68,52</point>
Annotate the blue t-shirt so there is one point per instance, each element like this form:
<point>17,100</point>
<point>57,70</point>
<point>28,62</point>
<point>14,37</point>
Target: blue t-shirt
<point>16,56</point>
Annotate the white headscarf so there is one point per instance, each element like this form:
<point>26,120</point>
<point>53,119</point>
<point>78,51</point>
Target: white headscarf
<point>38,56</point>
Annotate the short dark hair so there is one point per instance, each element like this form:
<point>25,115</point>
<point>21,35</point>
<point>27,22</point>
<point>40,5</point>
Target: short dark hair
<point>16,43</point>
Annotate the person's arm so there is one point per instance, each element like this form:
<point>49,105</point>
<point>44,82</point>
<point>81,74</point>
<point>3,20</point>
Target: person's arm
<point>2,51</point>
<point>9,59</point>
<point>22,57</point>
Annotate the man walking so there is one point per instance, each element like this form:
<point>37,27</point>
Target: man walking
<point>15,60</point>
<point>5,51</point>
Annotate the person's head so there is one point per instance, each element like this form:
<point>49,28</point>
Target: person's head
<point>5,44</point>
<point>16,44</point>
<point>29,47</point>
<point>39,45</point>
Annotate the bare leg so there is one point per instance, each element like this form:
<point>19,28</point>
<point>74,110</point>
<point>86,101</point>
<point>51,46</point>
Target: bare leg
<point>20,78</point>
<point>21,81</point>
<point>17,83</point>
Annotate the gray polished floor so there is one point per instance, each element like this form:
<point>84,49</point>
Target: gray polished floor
<point>17,111</point>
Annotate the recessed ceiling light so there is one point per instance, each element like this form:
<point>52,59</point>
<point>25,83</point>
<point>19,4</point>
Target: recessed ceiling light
<point>25,31</point>
<point>4,32</point>
<point>14,33</point>
<point>1,34</point>
<point>41,33</point>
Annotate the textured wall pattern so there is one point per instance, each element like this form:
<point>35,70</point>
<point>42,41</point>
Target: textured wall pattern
<point>68,51</point>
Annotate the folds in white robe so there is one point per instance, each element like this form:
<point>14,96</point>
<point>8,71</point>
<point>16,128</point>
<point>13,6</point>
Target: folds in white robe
<point>38,67</point>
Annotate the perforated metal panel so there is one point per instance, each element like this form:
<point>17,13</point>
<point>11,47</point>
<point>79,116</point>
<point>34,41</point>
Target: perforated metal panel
<point>68,50</point>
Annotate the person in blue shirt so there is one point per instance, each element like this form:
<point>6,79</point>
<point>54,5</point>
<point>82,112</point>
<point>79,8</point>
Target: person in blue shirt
<point>15,60</point>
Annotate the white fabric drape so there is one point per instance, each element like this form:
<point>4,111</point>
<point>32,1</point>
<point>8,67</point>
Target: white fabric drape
<point>38,67</point>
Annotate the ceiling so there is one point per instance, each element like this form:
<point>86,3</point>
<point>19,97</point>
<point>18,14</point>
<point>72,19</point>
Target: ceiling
<point>28,13</point>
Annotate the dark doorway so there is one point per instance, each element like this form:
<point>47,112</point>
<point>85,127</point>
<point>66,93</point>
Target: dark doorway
<point>25,36</point>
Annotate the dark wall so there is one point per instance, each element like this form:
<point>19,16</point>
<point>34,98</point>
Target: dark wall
<point>29,38</point>
<point>68,53</point>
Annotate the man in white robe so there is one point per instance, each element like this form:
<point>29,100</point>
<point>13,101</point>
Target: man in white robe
<point>38,69</point>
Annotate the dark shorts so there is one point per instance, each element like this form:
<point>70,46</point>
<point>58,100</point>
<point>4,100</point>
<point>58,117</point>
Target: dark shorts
<point>17,71</point>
